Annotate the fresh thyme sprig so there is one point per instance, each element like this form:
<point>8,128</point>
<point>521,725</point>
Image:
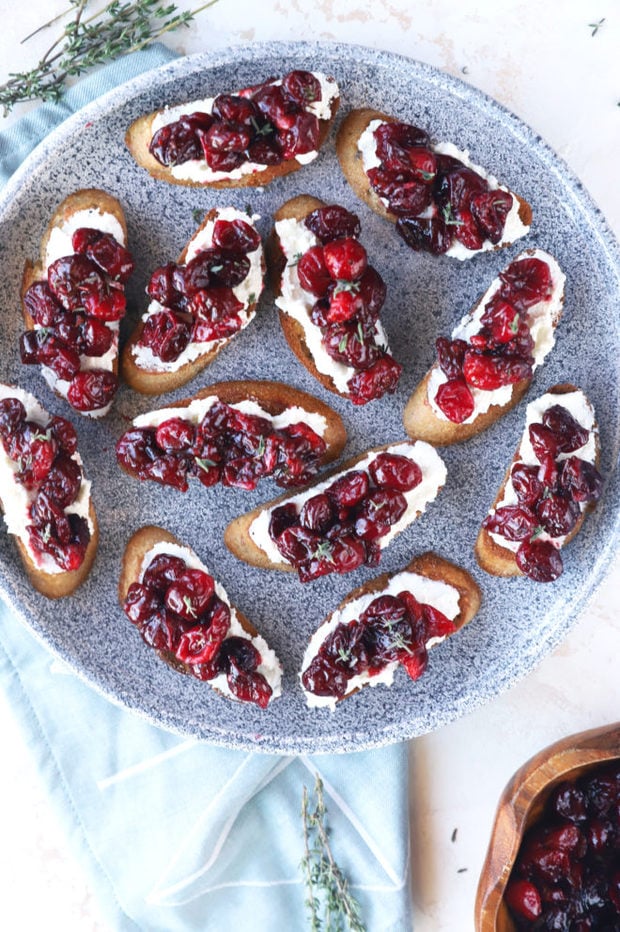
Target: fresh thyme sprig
<point>114,30</point>
<point>331,907</point>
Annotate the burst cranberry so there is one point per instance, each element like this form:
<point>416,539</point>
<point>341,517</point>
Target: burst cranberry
<point>392,471</point>
<point>317,513</point>
<point>345,259</point>
<point>313,273</point>
<point>378,512</point>
<point>348,490</point>
<point>428,234</point>
<point>372,291</point>
<point>581,480</point>
<point>240,651</point>
<point>539,560</point>
<point>456,189</point>
<point>92,389</point>
<point>162,572</point>
<point>302,87</point>
<point>42,305</point>
<point>274,103</point>
<point>322,678</point>
<point>167,333</point>
<point>215,304</point>
<point>455,400</point>
<point>72,278</point>
<point>514,522</point>
<point>222,137</point>
<point>404,135</point>
<point>96,337</point>
<point>230,108</point>
<point>236,236</point>
<point>557,515</point>
<point>490,209</point>
<point>526,483</point>
<point>302,136</point>
<point>175,434</point>
<point>190,595</point>
<point>450,355</point>
<point>332,222</point>
<point>380,378</point>
<point>281,518</point>
<point>161,286</point>
<point>502,319</point>
<point>491,372</point>
<point>62,360</point>
<point>344,304</point>
<point>63,481</point>
<point>140,603</point>
<point>12,416</point>
<point>405,197</point>
<point>106,252</point>
<point>179,142</point>
<point>524,899</point>
<point>415,663</point>
<point>543,440</point>
<point>568,432</point>
<point>348,344</point>
<point>347,554</point>
<point>466,230</point>
<point>529,281</point>
<point>297,544</point>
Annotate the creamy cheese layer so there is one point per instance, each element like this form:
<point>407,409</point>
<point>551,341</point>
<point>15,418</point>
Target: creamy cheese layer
<point>514,228</point>
<point>576,404</point>
<point>197,169</point>
<point>296,239</point>
<point>269,667</point>
<point>433,478</point>
<point>59,246</point>
<point>16,499</point>
<point>541,319</point>
<point>247,292</point>
<point>427,591</point>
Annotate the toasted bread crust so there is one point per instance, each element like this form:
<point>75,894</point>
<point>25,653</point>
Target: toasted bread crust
<point>350,160</point>
<point>497,560</point>
<point>137,547</point>
<point>86,199</point>
<point>421,422</point>
<point>152,382</point>
<point>433,567</point>
<point>140,133</point>
<point>237,534</point>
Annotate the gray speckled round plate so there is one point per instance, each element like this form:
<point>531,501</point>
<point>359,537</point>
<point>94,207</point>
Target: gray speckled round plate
<point>520,621</point>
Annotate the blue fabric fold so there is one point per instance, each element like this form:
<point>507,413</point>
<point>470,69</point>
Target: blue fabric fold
<point>176,834</point>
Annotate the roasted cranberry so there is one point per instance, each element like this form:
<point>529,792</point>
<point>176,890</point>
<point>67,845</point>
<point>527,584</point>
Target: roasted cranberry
<point>569,433</point>
<point>403,135</point>
<point>62,360</point>
<point>221,137</point>
<point>392,471</point>
<point>162,572</point>
<point>348,490</point>
<point>301,137</point>
<point>455,400</point>
<point>346,649</point>
<point>568,802</point>
<point>317,513</point>
<point>96,337</point>
<point>529,281</point>
<point>92,389</point>
<point>179,142</point>
<point>72,278</point>
<point>348,344</point>
<point>456,189</point>
<point>105,251</point>
<point>140,603</point>
<point>345,259</point>
<point>543,441</point>
<point>275,104</point>
<point>526,483</point>
<point>581,480</point>
<point>297,544</point>
<point>215,304</point>
<point>405,198</point>
<point>380,378</point>
<point>159,631</point>
<point>429,234</point>
<point>372,291</point>
<point>490,209</point>
<point>344,303</point>
<point>523,899</point>
<point>63,481</point>
<point>64,432</point>
<point>42,305</point>
<point>236,236</point>
<point>240,651</point>
<point>161,286</point>
<point>450,355</point>
<point>539,560</point>
<point>322,678</point>
<point>466,230</point>
<point>230,108</point>
<point>175,434</point>
<point>380,509</point>
<point>249,687</point>
<point>502,319</point>
<point>415,663</point>
<point>491,372</point>
<point>12,416</point>
<point>437,624</point>
<point>514,522</point>
<point>332,222</point>
<point>302,87</point>
<point>190,595</point>
<point>557,515</point>
<point>168,333</point>
<point>265,150</point>
<point>313,273</point>
<point>347,554</point>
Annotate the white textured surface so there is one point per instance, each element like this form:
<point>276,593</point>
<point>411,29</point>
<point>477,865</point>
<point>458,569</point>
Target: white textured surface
<point>567,88</point>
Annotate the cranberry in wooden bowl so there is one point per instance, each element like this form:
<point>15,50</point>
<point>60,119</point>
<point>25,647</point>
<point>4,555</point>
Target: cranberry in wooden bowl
<point>554,847</point>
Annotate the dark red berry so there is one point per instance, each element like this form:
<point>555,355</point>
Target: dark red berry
<point>345,259</point>
<point>92,389</point>
<point>393,471</point>
<point>514,522</point>
<point>236,236</point>
<point>539,560</point>
<point>313,273</point>
<point>570,435</point>
<point>332,222</point>
<point>455,400</point>
<point>581,480</point>
<point>380,378</point>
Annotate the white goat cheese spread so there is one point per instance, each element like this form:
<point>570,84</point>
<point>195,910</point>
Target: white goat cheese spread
<point>427,591</point>
<point>269,666</point>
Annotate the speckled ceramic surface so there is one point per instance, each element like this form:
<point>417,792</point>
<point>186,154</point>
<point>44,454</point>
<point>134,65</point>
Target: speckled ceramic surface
<point>519,621</point>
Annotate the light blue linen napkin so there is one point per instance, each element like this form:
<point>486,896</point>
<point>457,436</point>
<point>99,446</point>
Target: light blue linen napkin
<point>177,834</point>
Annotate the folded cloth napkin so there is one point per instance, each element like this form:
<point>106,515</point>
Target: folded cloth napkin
<point>177,834</point>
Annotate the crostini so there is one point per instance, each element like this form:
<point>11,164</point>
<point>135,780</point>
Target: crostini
<point>329,299</point>
<point>198,304</point>
<point>344,519</point>
<point>44,494</point>
<point>487,366</point>
<point>392,620</point>
<point>235,433</point>
<point>439,200</point>
<point>73,299</point>
<point>551,484</point>
<point>183,613</point>
<point>250,137</point>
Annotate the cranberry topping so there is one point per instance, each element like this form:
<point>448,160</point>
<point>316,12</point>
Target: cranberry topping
<point>199,304</point>
<point>265,124</point>
<point>176,611</point>
<point>84,292</point>
<point>227,446</point>
<point>550,497</point>
<point>351,294</point>
<point>436,198</point>
<point>566,875</point>
<point>45,467</point>
<point>500,352</point>
<point>392,629</point>
<point>340,528</point>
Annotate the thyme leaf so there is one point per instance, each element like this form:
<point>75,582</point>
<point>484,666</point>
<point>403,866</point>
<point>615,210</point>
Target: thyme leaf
<point>324,552</point>
<point>596,26</point>
<point>205,463</point>
<point>449,218</point>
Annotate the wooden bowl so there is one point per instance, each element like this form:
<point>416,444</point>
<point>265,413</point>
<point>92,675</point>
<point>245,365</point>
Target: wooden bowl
<point>521,805</point>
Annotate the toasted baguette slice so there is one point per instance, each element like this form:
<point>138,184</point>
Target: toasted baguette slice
<point>98,204</point>
<point>498,560</point>
<point>238,534</point>
<point>274,398</point>
<point>464,603</point>
<point>350,157</point>
<point>424,422</point>
<point>138,546</point>
<point>157,381</point>
<point>141,131</point>
<point>298,209</point>
<point>14,498</point>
